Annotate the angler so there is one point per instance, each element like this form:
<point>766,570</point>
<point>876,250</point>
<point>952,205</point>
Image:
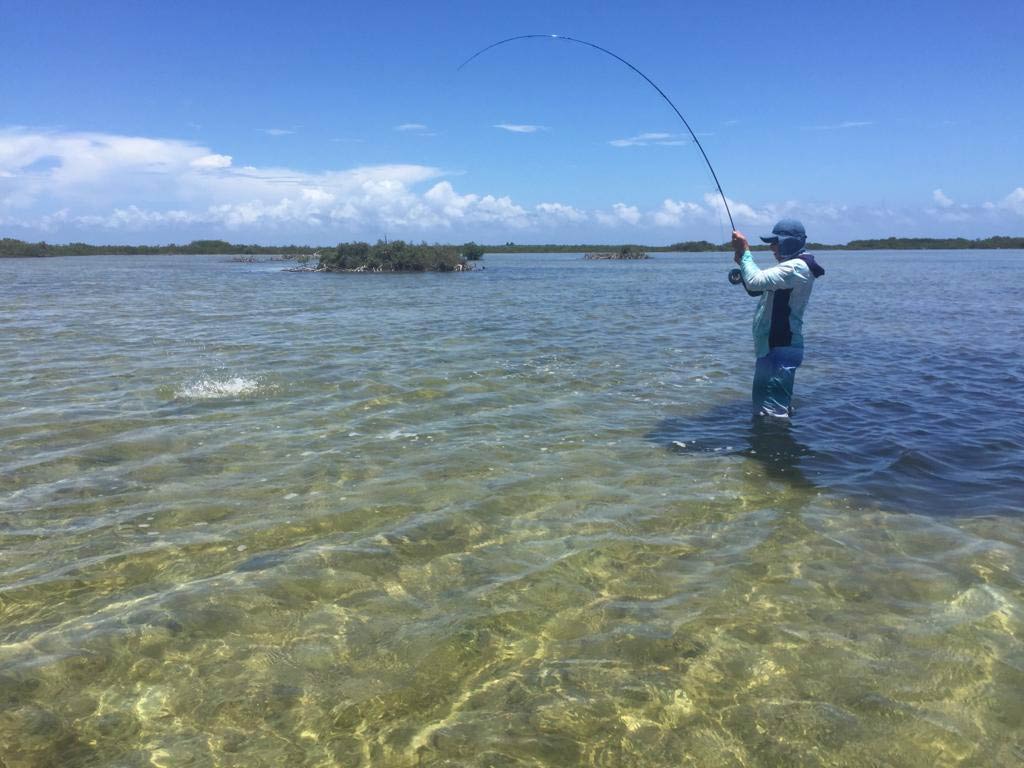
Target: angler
<point>784,291</point>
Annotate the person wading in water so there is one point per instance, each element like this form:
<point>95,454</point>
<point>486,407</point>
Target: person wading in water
<point>778,320</point>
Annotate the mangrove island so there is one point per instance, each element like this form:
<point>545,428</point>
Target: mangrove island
<point>625,252</point>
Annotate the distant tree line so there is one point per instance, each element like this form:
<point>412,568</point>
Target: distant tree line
<point>931,243</point>
<point>10,247</point>
<point>19,248</point>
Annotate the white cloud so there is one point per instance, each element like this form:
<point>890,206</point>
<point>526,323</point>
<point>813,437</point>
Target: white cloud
<point>998,214</point>
<point>75,185</point>
<point>561,212</point>
<point>673,213</point>
<point>104,181</point>
<point>131,182</point>
<point>133,217</point>
<point>277,131</point>
<point>628,213</point>
<point>91,168</point>
<point>941,199</point>
<point>211,161</point>
<point>742,211</point>
<point>446,207</point>
<point>839,126</point>
<point>417,129</point>
<point>619,214</point>
<point>1014,201</point>
<point>514,128</point>
<point>655,138</point>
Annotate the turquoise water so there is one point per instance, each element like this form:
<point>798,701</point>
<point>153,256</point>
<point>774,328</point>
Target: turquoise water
<point>507,518</point>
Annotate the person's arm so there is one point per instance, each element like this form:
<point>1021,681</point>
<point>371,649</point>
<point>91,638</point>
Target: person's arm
<point>772,279</point>
<point>775,278</point>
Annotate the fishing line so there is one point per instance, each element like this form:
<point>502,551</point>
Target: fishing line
<point>645,77</point>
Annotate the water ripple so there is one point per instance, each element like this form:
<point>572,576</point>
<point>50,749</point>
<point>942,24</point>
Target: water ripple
<point>518,516</point>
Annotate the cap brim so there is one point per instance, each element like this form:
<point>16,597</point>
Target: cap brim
<point>770,239</point>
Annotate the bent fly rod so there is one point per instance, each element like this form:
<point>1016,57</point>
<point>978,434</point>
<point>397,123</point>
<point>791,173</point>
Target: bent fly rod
<point>645,77</point>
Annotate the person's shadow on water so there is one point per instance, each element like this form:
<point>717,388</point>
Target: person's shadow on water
<point>889,455</point>
<point>731,430</point>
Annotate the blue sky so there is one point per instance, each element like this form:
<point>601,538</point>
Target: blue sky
<point>316,122</point>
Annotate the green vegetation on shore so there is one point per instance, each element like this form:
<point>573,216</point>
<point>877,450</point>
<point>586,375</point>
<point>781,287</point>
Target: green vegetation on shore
<point>928,244</point>
<point>398,256</point>
<point>19,248</point>
<point>9,247</point>
<point>626,252</point>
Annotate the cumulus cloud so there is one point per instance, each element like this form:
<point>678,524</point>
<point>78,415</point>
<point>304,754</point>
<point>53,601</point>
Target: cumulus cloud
<point>97,181</point>
<point>941,199</point>
<point>673,213</point>
<point>104,180</point>
<point>78,184</point>
<point>516,128</point>
<point>742,211</point>
<point>1014,201</point>
<point>445,207</point>
<point>93,169</point>
<point>618,215</point>
<point>561,212</point>
<point>133,217</point>
<point>1002,213</point>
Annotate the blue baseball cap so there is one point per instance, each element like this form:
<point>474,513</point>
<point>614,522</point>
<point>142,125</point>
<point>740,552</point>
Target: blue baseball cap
<point>785,228</point>
<point>789,234</point>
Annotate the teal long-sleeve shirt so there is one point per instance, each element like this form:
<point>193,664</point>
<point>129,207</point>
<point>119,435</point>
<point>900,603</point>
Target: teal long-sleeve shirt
<point>779,317</point>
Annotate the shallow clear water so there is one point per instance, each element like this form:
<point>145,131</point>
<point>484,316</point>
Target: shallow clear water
<point>512,517</point>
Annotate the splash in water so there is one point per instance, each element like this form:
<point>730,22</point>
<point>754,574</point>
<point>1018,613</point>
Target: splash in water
<point>210,389</point>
